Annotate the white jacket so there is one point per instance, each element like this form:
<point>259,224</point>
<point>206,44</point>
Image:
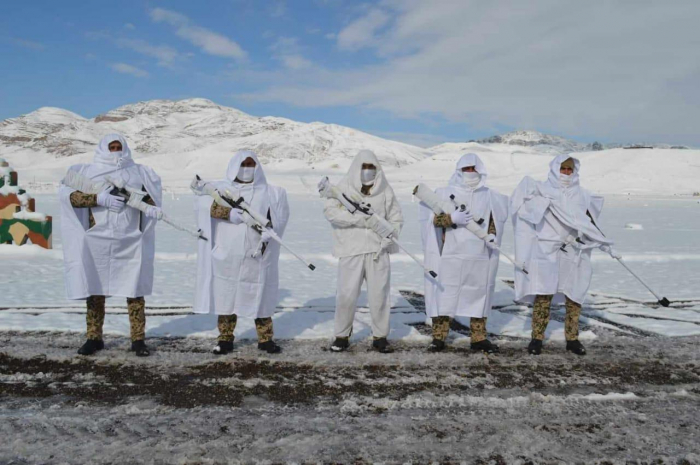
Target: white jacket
<point>229,279</point>
<point>115,256</point>
<point>544,214</point>
<point>466,268</point>
<point>350,235</point>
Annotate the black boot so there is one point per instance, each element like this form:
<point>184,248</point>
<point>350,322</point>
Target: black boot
<point>91,346</point>
<point>436,346</point>
<point>382,345</point>
<point>270,347</point>
<point>139,347</point>
<point>485,346</point>
<point>535,347</point>
<point>340,344</point>
<point>223,348</point>
<point>575,347</point>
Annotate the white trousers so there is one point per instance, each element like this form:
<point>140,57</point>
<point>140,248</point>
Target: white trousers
<point>352,271</point>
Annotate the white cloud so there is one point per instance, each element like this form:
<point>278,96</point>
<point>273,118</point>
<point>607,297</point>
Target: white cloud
<point>164,54</point>
<point>129,26</point>
<point>128,69</point>
<point>288,51</point>
<point>610,70</point>
<point>295,62</point>
<point>30,44</point>
<point>277,9</point>
<point>208,41</point>
<point>362,32</point>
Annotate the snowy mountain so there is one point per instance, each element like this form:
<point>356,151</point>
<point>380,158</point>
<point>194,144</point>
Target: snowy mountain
<point>527,141</point>
<point>46,129</point>
<point>170,127</point>
<point>196,136</point>
<point>534,138</point>
<point>549,143</point>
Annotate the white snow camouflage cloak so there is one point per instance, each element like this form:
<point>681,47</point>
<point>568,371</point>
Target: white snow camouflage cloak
<point>466,268</point>
<point>544,214</point>
<point>229,279</point>
<point>350,235</point>
<point>114,257</point>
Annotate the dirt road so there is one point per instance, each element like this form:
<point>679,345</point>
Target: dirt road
<point>631,398</point>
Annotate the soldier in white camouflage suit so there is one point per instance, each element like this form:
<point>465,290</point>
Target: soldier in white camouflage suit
<point>108,247</point>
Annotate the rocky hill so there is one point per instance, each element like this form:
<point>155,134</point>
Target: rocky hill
<point>166,126</point>
<point>551,143</point>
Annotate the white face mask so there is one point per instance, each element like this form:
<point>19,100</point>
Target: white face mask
<point>367,176</point>
<point>471,178</point>
<point>119,156</point>
<point>246,174</point>
<point>565,179</point>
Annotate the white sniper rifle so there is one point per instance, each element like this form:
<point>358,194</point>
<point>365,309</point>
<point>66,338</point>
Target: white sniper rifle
<point>439,206</point>
<point>250,217</point>
<point>663,301</point>
<point>133,198</point>
<point>580,244</point>
<point>378,224</point>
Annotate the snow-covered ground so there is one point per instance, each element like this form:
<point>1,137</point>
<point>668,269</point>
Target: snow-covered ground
<point>634,397</point>
<point>664,253</point>
<point>655,172</point>
<point>630,400</point>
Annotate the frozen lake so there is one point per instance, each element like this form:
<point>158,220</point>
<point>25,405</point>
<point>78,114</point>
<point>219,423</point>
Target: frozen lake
<point>665,252</point>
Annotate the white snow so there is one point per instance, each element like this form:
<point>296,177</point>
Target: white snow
<point>196,136</point>
<point>662,254</point>
<point>544,142</point>
<point>182,138</point>
<point>19,253</point>
<point>7,189</point>
<point>657,326</point>
<point>634,226</point>
<point>430,401</point>
<point>27,215</point>
<point>24,198</point>
<point>613,171</point>
<point>677,314</point>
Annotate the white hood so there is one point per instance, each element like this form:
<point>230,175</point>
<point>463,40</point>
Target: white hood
<point>234,166</point>
<point>468,159</point>
<point>354,172</point>
<point>104,157</point>
<point>350,234</point>
<point>554,167</point>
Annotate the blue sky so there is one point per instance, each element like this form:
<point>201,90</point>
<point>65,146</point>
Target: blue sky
<point>418,71</point>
